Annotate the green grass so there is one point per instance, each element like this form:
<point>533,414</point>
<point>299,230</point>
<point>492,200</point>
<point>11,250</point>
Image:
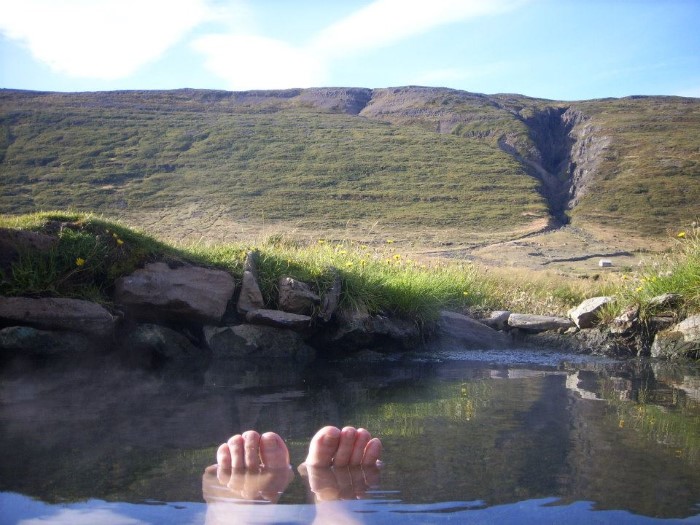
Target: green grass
<point>301,166</point>
<point>677,272</point>
<point>92,252</point>
<point>422,163</point>
<point>649,180</point>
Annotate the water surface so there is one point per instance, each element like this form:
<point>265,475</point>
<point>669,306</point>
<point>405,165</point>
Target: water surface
<point>519,436</point>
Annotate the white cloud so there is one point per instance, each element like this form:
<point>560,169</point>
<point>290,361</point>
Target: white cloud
<point>386,22</point>
<point>112,39</point>
<point>248,61</point>
<point>105,39</point>
<point>255,62</point>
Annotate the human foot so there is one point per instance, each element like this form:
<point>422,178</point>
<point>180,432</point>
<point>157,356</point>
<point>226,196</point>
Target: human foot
<point>342,464</point>
<point>341,448</point>
<point>249,466</point>
<point>252,451</point>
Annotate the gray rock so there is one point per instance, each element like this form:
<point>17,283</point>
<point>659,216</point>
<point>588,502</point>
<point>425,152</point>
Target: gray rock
<point>682,340</point>
<point>498,320</point>
<point>184,293</point>
<point>296,297</point>
<point>58,314</point>
<point>148,344</point>
<point>250,297</point>
<point>625,323</point>
<point>538,323</point>
<point>28,341</point>
<point>13,243</point>
<point>586,314</point>
<point>257,341</point>
<point>331,300</point>
<point>279,319</point>
<point>358,330</point>
<point>665,300</point>
<point>470,332</point>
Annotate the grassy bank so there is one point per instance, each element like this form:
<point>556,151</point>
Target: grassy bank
<point>92,252</point>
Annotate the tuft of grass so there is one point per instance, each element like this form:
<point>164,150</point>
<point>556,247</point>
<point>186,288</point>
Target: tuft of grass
<point>89,255</point>
<point>676,272</point>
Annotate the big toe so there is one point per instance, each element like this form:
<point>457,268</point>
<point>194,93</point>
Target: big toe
<point>273,451</point>
<point>323,447</point>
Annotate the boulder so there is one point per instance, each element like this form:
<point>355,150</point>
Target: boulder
<point>184,293</point>
<point>586,314</point>
<point>255,341</point>
<point>250,297</point>
<point>331,300</point>
<point>28,341</point>
<point>682,340</point>
<point>358,330</point>
<point>152,346</point>
<point>296,297</point>
<point>498,320</point>
<point>469,332</point>
<point>58,313</point>
<point>279,319</point>
<point>538,323</point>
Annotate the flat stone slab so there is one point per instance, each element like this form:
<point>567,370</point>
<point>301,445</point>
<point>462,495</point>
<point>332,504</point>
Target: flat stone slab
<point>279,319</point>
<point>59,313</point>
<point>539,323</point>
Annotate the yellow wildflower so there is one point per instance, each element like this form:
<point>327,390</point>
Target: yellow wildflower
<point>681,235</point>
<point>80,261</point>
<point>120,242</point>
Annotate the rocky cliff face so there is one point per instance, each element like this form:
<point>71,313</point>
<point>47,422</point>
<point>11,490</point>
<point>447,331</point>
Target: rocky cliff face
<point>565,155</point>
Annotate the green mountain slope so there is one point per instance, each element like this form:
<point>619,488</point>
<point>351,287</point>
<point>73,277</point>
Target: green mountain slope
<point>430,164</point>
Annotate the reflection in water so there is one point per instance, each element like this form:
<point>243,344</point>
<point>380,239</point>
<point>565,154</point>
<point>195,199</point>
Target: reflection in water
<point>475,431</point>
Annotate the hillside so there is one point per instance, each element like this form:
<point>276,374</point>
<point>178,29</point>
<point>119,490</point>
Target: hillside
<point>433,166</point>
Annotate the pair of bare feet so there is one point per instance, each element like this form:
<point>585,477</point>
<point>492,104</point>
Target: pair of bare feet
<point>341,464</point>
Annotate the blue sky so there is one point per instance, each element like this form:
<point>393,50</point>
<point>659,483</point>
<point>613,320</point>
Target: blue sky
<point>557,49</point>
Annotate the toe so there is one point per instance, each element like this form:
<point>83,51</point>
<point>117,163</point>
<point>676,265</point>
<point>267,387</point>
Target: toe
<point>236,446</point>
<point>252,449</point>
<point>345,447</point>
<point>223,457</point>
<point>362,438</point>
<point>373,451</point>
<point>273,451</point>
<point>323,447</point>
